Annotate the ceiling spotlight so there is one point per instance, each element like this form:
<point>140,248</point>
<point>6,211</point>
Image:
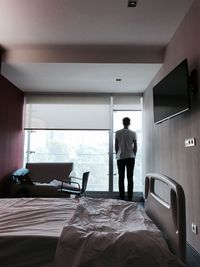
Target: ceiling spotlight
<point>132,3</point>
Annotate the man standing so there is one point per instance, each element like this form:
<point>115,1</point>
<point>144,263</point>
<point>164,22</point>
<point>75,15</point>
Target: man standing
<point>126,149</point>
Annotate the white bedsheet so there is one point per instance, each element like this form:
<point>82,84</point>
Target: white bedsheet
<point>30,229</point>
<point>107,233</point>
<point>86,232</point>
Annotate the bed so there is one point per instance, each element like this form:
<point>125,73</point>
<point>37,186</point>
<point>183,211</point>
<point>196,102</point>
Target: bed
<point>94,232</point>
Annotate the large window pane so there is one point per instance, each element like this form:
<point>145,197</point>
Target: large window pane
<point>88,150</point>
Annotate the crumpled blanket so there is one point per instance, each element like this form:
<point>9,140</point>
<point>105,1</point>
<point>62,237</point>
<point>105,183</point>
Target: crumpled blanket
<point>112,233</point>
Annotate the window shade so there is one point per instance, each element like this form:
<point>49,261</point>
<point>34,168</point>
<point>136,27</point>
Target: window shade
<point>75,112</point>
<point>67,112</point>
<point>127,102</point>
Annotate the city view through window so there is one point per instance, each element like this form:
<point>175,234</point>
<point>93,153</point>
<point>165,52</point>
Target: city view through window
<point>87,149</point>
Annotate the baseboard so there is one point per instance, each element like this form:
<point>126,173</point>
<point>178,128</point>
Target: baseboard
<point>193,256</point>
<point>137,196</point>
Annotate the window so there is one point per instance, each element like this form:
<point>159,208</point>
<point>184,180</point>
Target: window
<point>88,150</point>
<point>80,129</point>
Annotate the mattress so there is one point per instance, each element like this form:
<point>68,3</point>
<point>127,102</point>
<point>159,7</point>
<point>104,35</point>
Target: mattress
<point>85,232</point>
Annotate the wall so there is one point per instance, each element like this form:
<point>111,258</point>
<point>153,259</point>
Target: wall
<point>164,150</point>
<point>11,134</point>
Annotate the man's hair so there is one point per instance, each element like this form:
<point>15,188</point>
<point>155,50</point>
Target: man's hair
<point>126,121</point>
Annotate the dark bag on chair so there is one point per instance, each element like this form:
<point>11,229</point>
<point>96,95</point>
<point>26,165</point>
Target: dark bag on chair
<point>21,175</point>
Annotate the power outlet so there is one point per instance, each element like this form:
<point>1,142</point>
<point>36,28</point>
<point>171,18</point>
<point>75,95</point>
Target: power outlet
<point>194,228</point>
<point>190,142</point>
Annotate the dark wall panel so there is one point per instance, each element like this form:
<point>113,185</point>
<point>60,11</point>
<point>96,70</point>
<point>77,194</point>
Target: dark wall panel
<point>11,134</point>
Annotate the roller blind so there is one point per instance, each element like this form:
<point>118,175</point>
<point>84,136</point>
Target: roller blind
<point>67,112</point>
<point>75,112</point>
<point>127,102</point>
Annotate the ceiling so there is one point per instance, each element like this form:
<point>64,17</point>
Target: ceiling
<point>76,46</point>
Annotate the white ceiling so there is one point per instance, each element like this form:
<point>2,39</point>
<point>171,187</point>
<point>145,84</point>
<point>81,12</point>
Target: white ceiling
<point>83,46</point>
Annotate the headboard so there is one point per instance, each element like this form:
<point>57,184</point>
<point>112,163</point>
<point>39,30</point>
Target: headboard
<point>169,216</point>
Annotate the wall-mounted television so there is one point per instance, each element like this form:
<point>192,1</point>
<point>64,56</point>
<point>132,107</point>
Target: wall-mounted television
<point>171,96</point>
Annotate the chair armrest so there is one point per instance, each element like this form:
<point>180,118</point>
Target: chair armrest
<point>74,177</point>
<point>67,181</point>
<point>71,182</point>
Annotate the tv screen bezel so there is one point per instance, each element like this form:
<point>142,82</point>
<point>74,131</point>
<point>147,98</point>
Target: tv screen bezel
<point>188,107</point>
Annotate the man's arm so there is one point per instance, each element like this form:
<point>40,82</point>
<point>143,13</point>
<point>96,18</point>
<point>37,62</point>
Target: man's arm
<point>135,146</point>
<point>116,145</point>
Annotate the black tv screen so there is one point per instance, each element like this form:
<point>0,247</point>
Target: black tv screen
<point>171,94</point>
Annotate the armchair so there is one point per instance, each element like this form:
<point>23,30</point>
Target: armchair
<point>75,185</point>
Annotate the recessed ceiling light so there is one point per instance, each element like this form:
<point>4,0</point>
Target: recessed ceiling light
<point>132,3</point>
<point>118,79</point>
